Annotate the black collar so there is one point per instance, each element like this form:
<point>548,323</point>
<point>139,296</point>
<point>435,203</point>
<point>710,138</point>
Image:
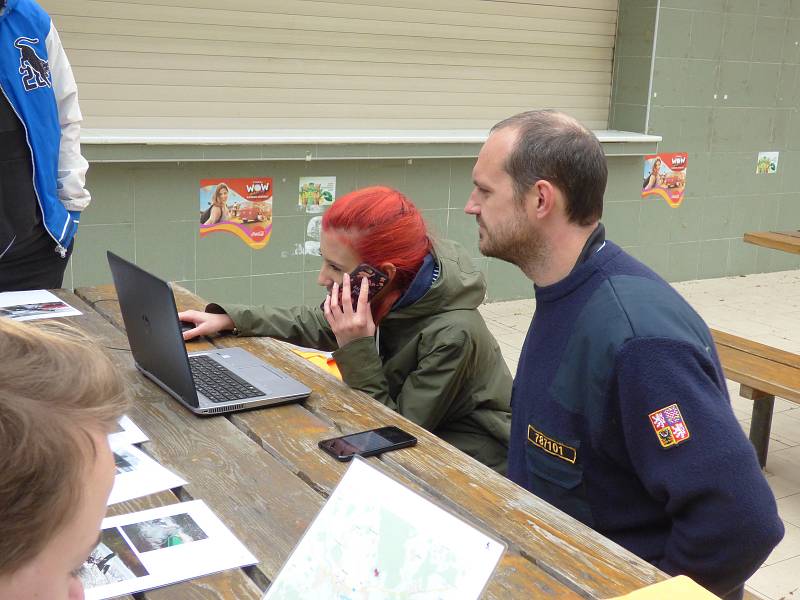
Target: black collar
<point>592,245</point>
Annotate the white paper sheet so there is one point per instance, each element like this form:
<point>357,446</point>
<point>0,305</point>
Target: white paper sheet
<point>127,433</point>
<point>375,538</point>
<point>34,304</point>
<point>158,547</point>
<point>138,475</point>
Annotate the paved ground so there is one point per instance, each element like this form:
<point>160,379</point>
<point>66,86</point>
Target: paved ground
<point>764,308</point>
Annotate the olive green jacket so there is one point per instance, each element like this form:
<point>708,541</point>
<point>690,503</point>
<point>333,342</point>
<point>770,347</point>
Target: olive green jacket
<point>437,365</point>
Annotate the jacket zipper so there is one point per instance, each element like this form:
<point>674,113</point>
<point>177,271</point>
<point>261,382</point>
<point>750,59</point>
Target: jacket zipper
<point>11,243</point>
<point>62,252</point>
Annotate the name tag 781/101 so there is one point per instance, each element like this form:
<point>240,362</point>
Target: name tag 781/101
<point>551,446</point>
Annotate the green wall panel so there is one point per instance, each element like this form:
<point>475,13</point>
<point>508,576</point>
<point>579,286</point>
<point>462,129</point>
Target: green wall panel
<point>89,262</point>
<point>420,183</point>
<point>685,221</point>
<point>636,41</point>
<point>768,39</point>
<point>226,289</point>
<point>463,229</point>
<point>437,222</point>
<point>684,261</point>
<point>284,253</point>
<point>278,290</point>
<point>714,258</point>
<point>506,282</point>
<point>222,254</point>
<point>654,255</point>
<point>168,248</point>
<point>726,85</point>
<point>674,33</point>
<point>313,292</point>
<point>706,39</point>
<point>622,222</point>
<point>737,43</point>
<point>111,187</point>
<point>742,259</point>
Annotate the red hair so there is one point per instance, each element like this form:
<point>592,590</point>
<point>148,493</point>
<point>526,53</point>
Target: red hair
<point>382,226</point>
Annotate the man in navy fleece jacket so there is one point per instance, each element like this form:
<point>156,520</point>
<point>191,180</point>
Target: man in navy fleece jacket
<point>620,413</point>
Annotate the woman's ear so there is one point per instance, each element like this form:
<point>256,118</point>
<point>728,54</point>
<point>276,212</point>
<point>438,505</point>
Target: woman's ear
<point>389,269</point>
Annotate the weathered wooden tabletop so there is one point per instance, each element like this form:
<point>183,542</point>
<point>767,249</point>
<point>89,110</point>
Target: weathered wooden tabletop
<point>787,241</point>
<point>261,472</point>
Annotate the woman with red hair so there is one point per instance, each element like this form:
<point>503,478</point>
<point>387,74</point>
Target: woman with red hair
<point>419,345</point>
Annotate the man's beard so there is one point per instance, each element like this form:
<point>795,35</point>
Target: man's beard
<point>514,241</point>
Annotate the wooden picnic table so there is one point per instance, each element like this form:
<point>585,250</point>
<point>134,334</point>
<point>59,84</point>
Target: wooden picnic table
<point>261,472</point>
<point>788,241</point>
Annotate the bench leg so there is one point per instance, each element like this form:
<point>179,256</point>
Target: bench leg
<point>761,421</point>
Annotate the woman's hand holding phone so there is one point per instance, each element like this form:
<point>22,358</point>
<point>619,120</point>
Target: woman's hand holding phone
<point>348,324</point>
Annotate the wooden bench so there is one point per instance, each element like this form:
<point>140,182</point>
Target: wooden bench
<point>786,241</point>
<point>763,372</point>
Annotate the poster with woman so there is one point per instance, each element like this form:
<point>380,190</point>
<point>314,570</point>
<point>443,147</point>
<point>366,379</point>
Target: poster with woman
<point>665,177</point>
<point>242,207</point>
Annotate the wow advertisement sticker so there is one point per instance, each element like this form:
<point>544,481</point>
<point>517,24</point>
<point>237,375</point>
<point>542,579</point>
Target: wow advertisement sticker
<point>242,207</point>
<point>665,177</point>
<point>316,193</point>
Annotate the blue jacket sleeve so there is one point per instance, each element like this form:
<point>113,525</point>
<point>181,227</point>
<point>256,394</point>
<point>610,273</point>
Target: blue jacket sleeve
<point>724,517</point>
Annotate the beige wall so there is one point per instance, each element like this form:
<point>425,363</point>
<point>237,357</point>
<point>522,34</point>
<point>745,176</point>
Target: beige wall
<point>324,64</point>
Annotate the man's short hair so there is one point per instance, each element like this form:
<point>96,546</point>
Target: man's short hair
<point>56,388</point>
<point>557,148</point>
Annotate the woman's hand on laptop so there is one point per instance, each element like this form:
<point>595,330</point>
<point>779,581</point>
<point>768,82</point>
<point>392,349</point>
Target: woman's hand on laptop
<point>205,323</point>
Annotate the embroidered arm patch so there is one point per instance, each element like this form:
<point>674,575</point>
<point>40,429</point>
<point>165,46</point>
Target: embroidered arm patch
<point>669,426</point>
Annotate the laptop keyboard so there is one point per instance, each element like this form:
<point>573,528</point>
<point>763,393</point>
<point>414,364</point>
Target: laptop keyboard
<point>217,383</point>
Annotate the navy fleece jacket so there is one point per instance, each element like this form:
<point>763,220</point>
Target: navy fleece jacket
<point>621,418</point>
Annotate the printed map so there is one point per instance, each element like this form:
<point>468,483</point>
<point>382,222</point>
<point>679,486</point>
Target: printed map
<point>376,539</point>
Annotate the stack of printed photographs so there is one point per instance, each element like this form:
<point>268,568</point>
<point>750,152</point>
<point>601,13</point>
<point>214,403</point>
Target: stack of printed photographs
<point>139,475</point>
<point>34,304</point>
<point>160,546</point>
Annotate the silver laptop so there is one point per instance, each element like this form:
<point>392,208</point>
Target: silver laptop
<point>208,382</point>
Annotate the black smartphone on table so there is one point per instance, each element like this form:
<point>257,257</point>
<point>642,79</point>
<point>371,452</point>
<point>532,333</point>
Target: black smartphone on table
<point>376,278</point>
<point>368,443</point>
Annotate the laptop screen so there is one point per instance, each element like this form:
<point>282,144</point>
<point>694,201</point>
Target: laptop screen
<point>151,321</point>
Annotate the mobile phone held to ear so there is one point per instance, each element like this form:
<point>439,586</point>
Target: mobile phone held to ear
<point>376,278</point>
<point>368,443</point>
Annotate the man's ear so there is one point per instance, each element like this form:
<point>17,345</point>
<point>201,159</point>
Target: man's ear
<point>545,197</point>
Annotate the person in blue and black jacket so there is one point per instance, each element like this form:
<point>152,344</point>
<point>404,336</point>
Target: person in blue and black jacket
<point>42,171</point>
<point>620,411</point>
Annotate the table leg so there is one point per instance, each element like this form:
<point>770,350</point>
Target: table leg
<point>761,421</point>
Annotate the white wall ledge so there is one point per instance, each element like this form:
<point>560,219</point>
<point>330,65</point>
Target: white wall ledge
<point>228,137</point>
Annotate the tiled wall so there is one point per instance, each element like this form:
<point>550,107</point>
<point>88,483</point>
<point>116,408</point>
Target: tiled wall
<point>148,213</point>
<point>726,85</point>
